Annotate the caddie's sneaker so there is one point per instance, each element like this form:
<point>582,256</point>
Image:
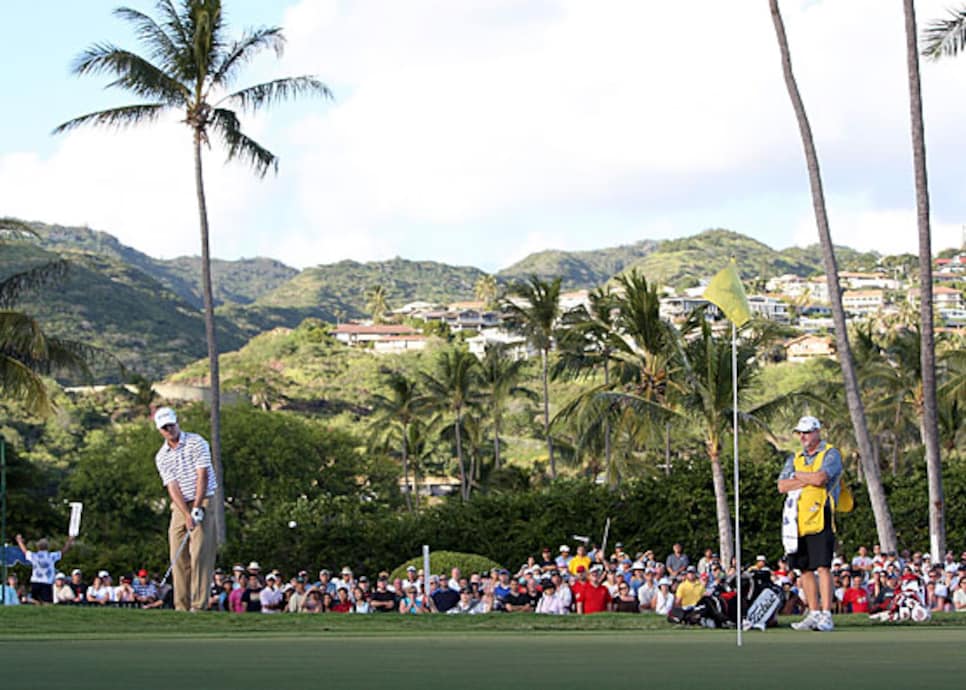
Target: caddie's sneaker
<point>809,622</point>
<point>825,623</point>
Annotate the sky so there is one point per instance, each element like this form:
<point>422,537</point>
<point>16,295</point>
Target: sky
<point>476,132</point>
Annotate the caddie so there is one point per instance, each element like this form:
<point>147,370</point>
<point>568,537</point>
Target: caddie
<point>184,463</point>
<point>811,480</point>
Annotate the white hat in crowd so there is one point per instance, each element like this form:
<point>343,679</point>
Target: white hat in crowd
<point>808,423</point>
<point>164,416</point>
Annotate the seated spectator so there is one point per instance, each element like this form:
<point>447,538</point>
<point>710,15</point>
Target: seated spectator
<point>465,605</point>
<point>78,585</point>
<point>760,562</point>
<point>664,599</point>
<point>408,602</point>
<point>625,601</point>
<point>312,603</point>
<point>63,594</point>
<point>412,578</point>
<point>484,605</point>
<point>519,601</point>
<point>647,592</point>
<point>12,593</point>
<point>236,603</point>
<point>443,597</point>
<point>563,592</point>
<point>503,588</point>
<point>297,597</point>
<point>145,591</point>
<point>563,558</point>
<point>855,599</point>
<point>124,592</point>
<point>382,600</point>
<point>327,601</point>
<point>251,596</point>
<point>690,590</point>
<point>342,602</point>
<point>361,604</point>
<point>704,565</point>
<point>549,602</point>
<point>959,596</point>
<point>99,592</point>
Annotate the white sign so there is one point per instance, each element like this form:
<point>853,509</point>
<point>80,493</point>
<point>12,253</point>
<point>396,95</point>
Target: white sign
<point>75,515</point>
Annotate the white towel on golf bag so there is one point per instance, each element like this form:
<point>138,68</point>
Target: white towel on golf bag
<point>790,521</point>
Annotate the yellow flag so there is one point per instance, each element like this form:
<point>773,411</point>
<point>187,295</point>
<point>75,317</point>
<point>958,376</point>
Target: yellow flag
<point>726,292</point>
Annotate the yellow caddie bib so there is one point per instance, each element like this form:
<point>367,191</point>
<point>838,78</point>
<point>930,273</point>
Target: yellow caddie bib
<point>811,503</point>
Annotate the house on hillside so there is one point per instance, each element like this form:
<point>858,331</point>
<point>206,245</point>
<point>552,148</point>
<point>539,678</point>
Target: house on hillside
<point>769,307</point>
<point>676,309</point>
<point>867,281</point>
<point>515,343</point>
<point>359,334</point>
<point>394,344</point>
<point>943,297</point>
<point>809,346</point>
<point>863,302</point>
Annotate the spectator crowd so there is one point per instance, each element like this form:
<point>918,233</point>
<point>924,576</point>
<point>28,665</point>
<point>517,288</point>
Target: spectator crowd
<point>582,582</point>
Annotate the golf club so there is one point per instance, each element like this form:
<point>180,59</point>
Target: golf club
<point>177,555</point>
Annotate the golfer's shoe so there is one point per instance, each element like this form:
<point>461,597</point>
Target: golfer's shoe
<point>825,623</point>
<point>809,622</point>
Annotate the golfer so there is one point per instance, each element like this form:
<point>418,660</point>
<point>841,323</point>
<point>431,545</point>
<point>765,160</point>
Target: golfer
<point>184,463</point>
<point>814,474</point>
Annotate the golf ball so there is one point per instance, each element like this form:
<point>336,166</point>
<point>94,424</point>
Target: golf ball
<point>292,523</point>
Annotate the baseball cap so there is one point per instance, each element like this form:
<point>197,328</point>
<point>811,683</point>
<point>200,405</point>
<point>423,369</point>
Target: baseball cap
<point>60,576</point>
<point>103,573</point>
<point>808,423</point>
<point>760,558</point>
<point>638,565</point>
<point>598,568</point>
<point>581,568</point>
<point>564,547</point>
<point>254,566</point>
<point>238,567</point>
<point>76,571</point>
<point>410,569</point>
<point>346,570</point>
<point>691,569</point>
<point>142,573</point>
<point>270,576</point>
<point>164,416</point>
<point>664,581</point>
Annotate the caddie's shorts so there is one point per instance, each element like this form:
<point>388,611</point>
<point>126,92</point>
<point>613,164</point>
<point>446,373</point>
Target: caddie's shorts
<point>815,550</point>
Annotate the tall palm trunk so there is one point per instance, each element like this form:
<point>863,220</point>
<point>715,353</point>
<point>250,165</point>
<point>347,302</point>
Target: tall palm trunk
<point>723,512</point>
<point>219,497</point>
<point>546,414</point>
<point>607,449</point>
<point>459,454</point>
<point>883,518</point>
<point>496,440</point>
<point>405,464</point>
<point>927,350</point>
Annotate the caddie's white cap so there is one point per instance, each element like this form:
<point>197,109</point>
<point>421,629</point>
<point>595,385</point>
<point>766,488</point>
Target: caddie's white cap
<point>165,415</point>
<point>808,423</point>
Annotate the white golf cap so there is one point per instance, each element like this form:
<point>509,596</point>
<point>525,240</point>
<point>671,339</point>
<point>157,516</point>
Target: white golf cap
<point>164,416</point>
<point>808,423</point>
<point>564,547</point>
<point>102,574</point>
<point>60,576</point>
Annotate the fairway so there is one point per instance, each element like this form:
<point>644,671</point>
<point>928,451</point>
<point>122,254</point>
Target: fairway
<point>858,657</point>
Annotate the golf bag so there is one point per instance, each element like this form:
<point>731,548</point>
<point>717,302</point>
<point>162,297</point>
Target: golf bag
<point>907,604</point>
<point>761,600</point>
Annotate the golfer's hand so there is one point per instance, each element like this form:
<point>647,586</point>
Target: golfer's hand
<point>197,515</point>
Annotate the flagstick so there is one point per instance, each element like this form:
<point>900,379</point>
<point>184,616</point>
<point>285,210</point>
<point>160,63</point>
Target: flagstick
<point>734,412</point>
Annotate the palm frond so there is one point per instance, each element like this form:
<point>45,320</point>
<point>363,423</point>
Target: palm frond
<point>73,356</point>
<point>945,36</point>
<point>21,337</point>
<point>253,98</point>
<point>162,45</point>
<point>225,123</point>
<point>12,287</point>
<point>243,50</point>
<point>124,116</point>
<point>134,73</point>
<point>20,382</point>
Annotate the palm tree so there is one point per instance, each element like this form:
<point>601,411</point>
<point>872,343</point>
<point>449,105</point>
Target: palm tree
<point>486,290</point>
<point>190,62</point>
<point>880,508</point>
<point>27,353</point>
<point>930,419</point>
<point>537,318</point>
<point>499,381</point>
<point>394,414</point>
<point>376,303</point>
<point>451,388</point>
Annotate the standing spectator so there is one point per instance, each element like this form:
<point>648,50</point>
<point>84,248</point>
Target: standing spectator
<point>691,590</point>
<point>546,561</point>
<point>271,597</point>
<point>298,596</point>
<point>184,464</point>
<point>704,565</point>
<point>78,585</point>
<point>325,583</point>
<point>647,592</point>
<point>664,599</point>
<point>413,579</point>
<point>563,559</point>
<point>43,563</point>
<point>676,561</point>
<point>580,560</point>
<point>454,580</point>
<point>862,562</point>
<point>62,592</point>
<point>251,596</point>
<point>813,475</point>
<point>593,597</point>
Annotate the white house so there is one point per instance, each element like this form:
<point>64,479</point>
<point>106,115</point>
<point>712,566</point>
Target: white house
<point>863,301</point>
<point>769,307</point>
<point>355,334</point>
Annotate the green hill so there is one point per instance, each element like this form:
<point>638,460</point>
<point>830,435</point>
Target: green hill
<point>240,282</point>
<point>105,302</point>
<point>579,270</point>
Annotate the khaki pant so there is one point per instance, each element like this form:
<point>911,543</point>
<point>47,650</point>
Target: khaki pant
<point>193,571</point>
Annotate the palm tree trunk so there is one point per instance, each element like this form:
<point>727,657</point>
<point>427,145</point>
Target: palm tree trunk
<point>546,415</point>
<point>883,518</point>
<point>215,378</point>
<point>496,440</point>
<point>459,454</point>
<point>607,448</point>
<point>405,464</point>
<point>927,349</point>
<point>725,535</point>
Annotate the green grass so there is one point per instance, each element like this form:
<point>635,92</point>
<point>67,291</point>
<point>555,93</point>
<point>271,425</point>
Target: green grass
<point>87,648</point>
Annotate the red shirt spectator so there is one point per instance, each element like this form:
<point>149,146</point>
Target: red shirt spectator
<point>593,597</point>
<point>856,599</point>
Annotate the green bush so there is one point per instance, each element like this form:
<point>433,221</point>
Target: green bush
<point>445,561</point>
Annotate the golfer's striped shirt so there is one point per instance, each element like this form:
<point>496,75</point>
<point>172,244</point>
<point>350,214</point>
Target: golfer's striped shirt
<point>181,464</point>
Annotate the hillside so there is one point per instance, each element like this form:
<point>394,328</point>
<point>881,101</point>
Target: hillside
<point>241,282</point>
<point>579,270</point>
<point>105,302</point>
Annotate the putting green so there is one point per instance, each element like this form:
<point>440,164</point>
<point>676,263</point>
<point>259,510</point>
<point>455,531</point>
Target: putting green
<point>856,658</point>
